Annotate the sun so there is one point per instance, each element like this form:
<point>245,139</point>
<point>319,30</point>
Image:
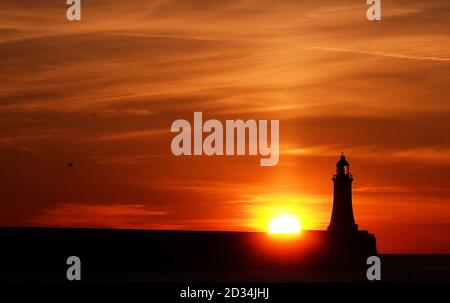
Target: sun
<point>285,224</point>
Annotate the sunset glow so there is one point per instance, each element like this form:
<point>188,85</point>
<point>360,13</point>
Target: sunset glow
<point>285,224</point>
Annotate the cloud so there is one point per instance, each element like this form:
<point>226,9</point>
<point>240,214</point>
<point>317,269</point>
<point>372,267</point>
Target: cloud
<point>424,191</point>
<point>428,154</point>
<point>96,215</point>
<point>382,54</point>
<point>129,135</point>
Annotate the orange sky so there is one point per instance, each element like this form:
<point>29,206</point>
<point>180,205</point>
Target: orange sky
<point>104,92</point>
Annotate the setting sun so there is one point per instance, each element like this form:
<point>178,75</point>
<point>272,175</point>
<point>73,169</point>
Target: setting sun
<point>284,224</point>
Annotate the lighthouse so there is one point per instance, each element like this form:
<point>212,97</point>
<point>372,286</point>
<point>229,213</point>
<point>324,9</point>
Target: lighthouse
<point>342,219</point>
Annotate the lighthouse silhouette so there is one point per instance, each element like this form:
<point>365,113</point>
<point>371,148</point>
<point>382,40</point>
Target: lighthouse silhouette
<point>342,219</point>
<point>345,241</point>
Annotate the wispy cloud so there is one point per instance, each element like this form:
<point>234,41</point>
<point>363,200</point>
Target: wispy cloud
<point>96,215</point>
<point>128,135</point>
<point>381,54</point>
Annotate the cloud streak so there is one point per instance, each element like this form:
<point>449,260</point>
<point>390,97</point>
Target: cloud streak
<point>381,54</point>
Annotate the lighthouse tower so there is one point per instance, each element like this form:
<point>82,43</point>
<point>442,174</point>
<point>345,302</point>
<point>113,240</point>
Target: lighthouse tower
<point>342,220</point>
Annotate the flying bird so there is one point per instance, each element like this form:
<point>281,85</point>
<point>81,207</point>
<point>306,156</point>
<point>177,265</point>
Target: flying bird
<point>71,163</point>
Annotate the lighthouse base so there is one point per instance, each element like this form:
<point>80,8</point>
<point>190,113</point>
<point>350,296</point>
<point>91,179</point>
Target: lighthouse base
<point>353,247</point>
